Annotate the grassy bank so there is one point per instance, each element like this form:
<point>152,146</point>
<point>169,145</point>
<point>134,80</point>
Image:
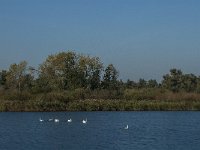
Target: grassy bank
<point>101,100</point>
<point>100,105</point>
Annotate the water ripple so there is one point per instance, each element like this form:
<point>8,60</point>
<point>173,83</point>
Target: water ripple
<point>104,131</point>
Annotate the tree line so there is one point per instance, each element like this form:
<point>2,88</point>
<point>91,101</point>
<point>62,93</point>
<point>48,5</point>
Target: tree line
<point>67,77</point>
<point>59,72</point>
<point>69,71</point>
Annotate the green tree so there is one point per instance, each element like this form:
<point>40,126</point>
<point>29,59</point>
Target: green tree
<point>152,83</point>
<point>173,80</point>
<point>198,85</point>
<point>17,76</point>
<point>3,74</point>
<point>68,70</point>
<point>142,83</point>
<point>110,77</point>
<point>94,73</point>
<point>58,71</point>
<point>189,82</point>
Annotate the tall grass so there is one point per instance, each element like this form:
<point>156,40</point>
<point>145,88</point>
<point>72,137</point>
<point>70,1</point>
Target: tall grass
<point>99,100</point>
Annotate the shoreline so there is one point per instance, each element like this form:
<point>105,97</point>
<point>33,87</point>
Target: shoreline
<point>98,105</point>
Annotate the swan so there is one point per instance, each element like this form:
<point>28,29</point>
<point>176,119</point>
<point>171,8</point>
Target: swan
<point>69,120</point>
<point>56,120</point>
<point>84,121</point>
<point>51,119</point>
<point>126,127</point>
<point>41,120</point>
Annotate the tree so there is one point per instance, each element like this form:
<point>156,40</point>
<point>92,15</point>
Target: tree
<point>17,76</point>
<point>173,80</point>
<point>88,72</point>
<point>142,83</point>
<point>152,83</point>
<point>110,77</point>
<point>3,74</point>
<point>93,77</point>
<point>198,85</point>
<point>58,71</point>
<point>189,82</point>
<point>68,70</point>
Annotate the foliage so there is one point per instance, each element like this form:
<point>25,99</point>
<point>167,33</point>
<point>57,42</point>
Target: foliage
<point>110,78</point>
<point>3,75</point>
<point>177,81</point>
<point>68,81</point>
<point>17,77</point>
<point>69,71</point>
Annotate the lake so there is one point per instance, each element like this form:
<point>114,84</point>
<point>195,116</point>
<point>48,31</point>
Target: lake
<point>103,131</point>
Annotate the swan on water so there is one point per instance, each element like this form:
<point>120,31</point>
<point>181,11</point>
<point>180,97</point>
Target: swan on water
<point>56,120</point>
<point>50,119</point>
<point>84,121</point>
<point>126,127</point>
<point>69,120</point>
<point>41,120</point>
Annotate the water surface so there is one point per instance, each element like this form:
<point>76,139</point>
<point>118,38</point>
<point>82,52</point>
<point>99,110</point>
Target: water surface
<point>104,130</point>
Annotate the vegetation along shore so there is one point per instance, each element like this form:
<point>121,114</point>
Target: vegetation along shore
<point>67,81</point>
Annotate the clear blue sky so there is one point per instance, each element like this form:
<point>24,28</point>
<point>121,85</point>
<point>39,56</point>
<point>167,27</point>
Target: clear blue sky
<point>142,38</point>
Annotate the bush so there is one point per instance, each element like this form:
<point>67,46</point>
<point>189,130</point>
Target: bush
<point>140,94</point>
<point>14,95</point>
<point>54,97</point>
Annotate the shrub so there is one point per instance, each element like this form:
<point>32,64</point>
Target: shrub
<point>140,94</point>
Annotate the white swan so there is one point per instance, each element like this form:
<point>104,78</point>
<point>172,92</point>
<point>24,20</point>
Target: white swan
<point>126,127</point>
<point>56,120</point>
<point>50,119</point>
<point>69,120</point>
<point>41,120</point>
<point>84,121</point>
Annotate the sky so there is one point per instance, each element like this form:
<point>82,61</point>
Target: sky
<point>142,38</point>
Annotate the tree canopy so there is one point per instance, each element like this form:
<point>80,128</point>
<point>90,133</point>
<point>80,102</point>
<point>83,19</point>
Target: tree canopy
<point>68,70</point>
